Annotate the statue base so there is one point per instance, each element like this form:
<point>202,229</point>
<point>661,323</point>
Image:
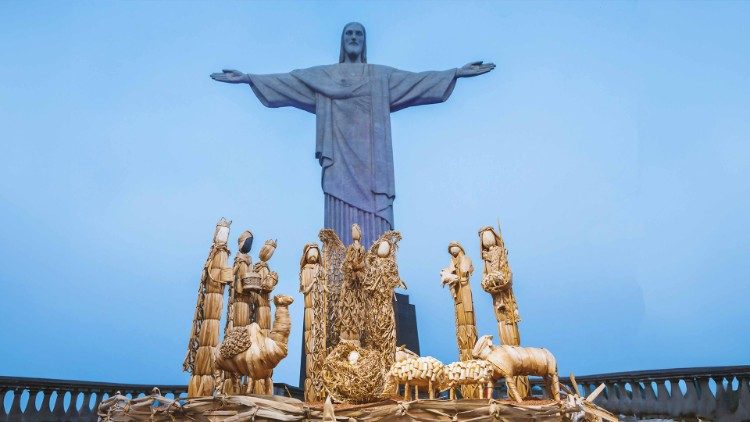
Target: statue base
<point>278,408</point>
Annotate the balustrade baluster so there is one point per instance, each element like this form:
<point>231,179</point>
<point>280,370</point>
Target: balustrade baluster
<point>742,413</point>
<point>84,412</point>
<point>650,404</point>
<point>58,409</point>
<point>15,415</point>
<point>72,411</point>
<point>44,412</point>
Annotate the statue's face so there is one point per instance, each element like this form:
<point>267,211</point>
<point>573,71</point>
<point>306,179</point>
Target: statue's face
<point>454,250</point>
<point>313,255</point>
<point>246,244</point>
<point>356,232</point>
<point>354,39</point>
<point>384,248</point>
<point>488,239</point>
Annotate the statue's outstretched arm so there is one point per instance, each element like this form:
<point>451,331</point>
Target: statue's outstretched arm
<point>474,69</point>
<point>231,76</point>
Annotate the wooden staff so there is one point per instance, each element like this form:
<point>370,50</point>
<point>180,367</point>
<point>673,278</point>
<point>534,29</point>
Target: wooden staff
<point>204,336</point>
<point>457,276</point>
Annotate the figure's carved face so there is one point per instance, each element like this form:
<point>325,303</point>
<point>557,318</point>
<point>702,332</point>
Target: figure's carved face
<point>245,241</point>
<point>488,239</point>
<point>354,39</point>
<point>222,234</point>
<point>356,232</point>
<point>454,250</point>
<point>384,248</point>
<point>313,255</point>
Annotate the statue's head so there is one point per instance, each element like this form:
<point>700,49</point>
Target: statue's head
<point>266,252</point>
<point>356,232</point>
<point>353,43</point>
<point>455,248</point>
<point>221,234</point>
<point>310,255</point>
<point>245,241</point>
<point>313,254</point>
<point>488,237</point>
<point>482,348</point>
<point>384,249</point>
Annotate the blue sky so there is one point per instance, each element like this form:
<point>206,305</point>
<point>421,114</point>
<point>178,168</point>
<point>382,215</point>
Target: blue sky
<point>612,142</point>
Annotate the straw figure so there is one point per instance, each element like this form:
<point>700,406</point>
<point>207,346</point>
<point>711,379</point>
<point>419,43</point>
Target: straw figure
<point>333,258</point>
<point>497,280</point>
<point>380,281</point>
<point>416,371</point>
<point>249,351</point>
<point>312,286</point>
<point>470,372</point>
<point>262,281</point>
<point>511,361</point>
<point>241,303</point>
<point>204,335</point>
<point>352,299</point>
<point>456,276</point>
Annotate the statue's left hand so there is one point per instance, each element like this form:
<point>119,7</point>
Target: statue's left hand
<point>474,69</point>
<point>231,77</point>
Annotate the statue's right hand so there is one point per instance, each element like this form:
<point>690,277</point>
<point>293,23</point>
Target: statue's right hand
<point>231,77</point>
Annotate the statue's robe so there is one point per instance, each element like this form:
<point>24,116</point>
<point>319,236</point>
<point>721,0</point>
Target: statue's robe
<point>352,103</point>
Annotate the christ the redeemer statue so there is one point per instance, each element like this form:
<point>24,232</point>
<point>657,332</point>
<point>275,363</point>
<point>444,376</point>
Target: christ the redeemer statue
<point>352,102</point>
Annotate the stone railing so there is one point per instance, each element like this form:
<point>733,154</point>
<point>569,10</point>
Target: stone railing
<point>37,399</point>
<point>715,393</point>
<point>719,394</point>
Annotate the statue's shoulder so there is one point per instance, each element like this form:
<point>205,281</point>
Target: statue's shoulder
<point>382,69</point>
<point>325,69</point>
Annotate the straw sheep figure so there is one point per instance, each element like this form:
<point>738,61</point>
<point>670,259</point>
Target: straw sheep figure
<point>469,372</point>
<point>411,369</point>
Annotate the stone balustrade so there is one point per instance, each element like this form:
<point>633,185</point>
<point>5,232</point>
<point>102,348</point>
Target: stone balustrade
<point>715,393</point>
<point>720,394</point>
<point>37,399</point>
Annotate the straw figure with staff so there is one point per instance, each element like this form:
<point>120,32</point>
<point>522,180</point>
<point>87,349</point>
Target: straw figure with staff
<point>497,280</point>
<point>204,336</point>
<point>312,285</point>
<point>456,276</point>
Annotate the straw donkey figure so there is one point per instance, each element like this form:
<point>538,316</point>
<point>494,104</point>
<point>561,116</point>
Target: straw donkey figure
<point>380,280</point>
<point>457,276</point>
<point>313,287</point>
<point>204,335</point>
<point>415,371</point>
<point>511,361</point>
<point>497,280</point>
